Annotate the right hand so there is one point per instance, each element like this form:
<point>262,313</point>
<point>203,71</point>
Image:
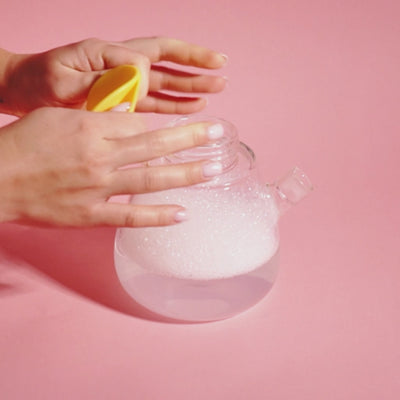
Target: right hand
<point>58,167</point>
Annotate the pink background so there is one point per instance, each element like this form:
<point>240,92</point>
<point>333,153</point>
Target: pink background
<point>311,83</point>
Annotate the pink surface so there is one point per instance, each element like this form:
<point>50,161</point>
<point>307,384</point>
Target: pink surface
<point>314,83</point>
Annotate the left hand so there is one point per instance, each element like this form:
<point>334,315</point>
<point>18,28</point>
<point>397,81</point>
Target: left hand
<point>62,77</point>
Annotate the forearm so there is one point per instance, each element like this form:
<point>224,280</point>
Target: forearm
<point>8,178</point>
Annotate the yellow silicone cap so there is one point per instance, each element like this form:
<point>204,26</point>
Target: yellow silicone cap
<point>119,85</point>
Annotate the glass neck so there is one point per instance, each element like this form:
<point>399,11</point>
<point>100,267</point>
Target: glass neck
<point>225,150</point>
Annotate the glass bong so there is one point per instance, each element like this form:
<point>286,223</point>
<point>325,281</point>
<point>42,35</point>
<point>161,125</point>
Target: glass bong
<point>224,258</point>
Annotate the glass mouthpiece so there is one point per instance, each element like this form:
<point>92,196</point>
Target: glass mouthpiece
<point>292,188</point>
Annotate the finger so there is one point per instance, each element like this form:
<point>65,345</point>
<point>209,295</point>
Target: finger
<point>162,78</point>
<point>150,145</point>
<point>152,179</point>
<point>177,51</point>
<point>135,216</point>
<point>162,103</point>
<point>103,56</point>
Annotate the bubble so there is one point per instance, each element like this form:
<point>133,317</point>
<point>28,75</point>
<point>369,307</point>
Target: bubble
<point>228,233</point>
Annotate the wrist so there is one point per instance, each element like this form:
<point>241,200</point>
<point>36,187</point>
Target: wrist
<point>7,62</point>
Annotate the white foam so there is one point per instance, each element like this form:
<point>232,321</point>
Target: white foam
<point>228,233</point>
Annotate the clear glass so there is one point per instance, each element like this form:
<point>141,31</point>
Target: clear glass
<point>224,258</point>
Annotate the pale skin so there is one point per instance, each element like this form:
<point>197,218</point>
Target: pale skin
<point>60,164</point>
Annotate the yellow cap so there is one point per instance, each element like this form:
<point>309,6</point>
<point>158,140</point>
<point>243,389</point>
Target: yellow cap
<point>119,85</point>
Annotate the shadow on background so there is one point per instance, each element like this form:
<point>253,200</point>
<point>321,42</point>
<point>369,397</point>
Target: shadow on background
<point>78,259</point>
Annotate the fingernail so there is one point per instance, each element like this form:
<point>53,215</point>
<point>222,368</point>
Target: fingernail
<point>226,79</point>
<point>180,216</point>
<point>212,169</point>
<point>225,57</point>
<point>123,107</point>
<point>215,131</point>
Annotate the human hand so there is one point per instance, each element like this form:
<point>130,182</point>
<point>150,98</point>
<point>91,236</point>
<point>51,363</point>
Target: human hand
<point>62,77</point>
<point>63,172</point>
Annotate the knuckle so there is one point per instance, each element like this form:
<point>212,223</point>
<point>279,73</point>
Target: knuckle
<point>150,180</point>
<point>92,167</point>
<point>198,134</point>
<point>93,153</point>
<point>48,114</point>
<point>163,217</point>
<point>153,216</point>
<point>146,63</point>
<point>131,219</point>
<point>92,170</point>
<point>162,43</point>
<point>86,124</point>
<point>94,173</point>
<point>85,214</point>
<point>94,157</point>
<point>192,174</point>
<point>90,42</point>
<point>160,39</point>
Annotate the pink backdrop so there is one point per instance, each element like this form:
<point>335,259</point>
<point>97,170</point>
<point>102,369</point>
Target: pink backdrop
<point>314,83</point>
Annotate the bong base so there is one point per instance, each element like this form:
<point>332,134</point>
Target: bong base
<point>195,300</point>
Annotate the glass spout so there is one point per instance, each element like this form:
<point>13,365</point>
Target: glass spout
<point>291,188</point>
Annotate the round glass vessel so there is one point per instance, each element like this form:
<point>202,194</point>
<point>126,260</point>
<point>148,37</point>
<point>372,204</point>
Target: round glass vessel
<point>224,258</point>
